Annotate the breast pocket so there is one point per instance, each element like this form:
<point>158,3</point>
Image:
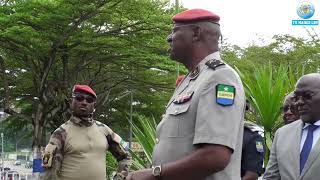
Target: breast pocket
<point>171,126</point>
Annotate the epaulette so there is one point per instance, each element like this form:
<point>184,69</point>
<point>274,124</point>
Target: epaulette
<point>214,63</point>
<point>253,127</point>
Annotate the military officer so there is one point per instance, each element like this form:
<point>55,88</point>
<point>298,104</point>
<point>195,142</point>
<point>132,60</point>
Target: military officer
<point>200,135</point>
<point>77,149</point>
<point>252,152</point>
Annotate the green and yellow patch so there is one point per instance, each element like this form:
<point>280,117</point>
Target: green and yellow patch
<point>225,94</point>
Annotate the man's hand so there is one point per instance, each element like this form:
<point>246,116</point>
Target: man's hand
<point>145,174</point>
<point>250,175</point>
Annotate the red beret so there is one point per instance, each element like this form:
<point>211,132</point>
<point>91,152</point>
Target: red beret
<point>85,89</point>
<point>194,15</point>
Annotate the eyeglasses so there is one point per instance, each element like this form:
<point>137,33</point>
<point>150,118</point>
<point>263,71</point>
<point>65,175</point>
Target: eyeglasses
<point>292,108</point>
<point>80,98</point>
<point>303,95</point>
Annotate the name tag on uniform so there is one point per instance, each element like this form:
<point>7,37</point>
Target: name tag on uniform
<point>182,98</point>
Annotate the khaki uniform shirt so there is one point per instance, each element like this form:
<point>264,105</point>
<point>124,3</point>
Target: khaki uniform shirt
<point>195,115</point>
<point>77,151</point>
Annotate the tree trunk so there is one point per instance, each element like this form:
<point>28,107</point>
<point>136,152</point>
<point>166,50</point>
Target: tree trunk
<point>38,127</point>
<point>38,123</point>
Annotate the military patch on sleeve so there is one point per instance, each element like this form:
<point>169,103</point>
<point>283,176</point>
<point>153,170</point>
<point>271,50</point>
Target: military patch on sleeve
<point>124,145</point>
<point>259,146</point>
<point>48,155</point>
<point>225,94</point>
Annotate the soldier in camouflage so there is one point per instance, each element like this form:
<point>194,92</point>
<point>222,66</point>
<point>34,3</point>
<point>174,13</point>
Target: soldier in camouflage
<point>77,149</point>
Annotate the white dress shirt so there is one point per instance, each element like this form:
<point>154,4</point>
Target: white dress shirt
<point>316,134</point>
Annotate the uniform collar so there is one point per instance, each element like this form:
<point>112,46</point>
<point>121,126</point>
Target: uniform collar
<point>308,124</point>
<point>82,121</point>
<point>194,73</point>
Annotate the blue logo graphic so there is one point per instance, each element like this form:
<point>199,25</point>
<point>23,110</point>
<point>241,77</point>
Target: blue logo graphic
<point>305,10</point>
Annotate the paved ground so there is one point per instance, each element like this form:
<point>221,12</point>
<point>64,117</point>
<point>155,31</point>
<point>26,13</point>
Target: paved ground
<point>26,173</point>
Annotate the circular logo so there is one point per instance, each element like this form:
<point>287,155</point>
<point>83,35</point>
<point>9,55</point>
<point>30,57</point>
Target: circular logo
<point>305,10</point>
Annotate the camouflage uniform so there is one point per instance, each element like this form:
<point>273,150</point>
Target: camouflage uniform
<point>77,151</point>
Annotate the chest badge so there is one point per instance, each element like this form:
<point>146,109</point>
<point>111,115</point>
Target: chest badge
<point>194,74</point>
<point>182,98</point>
<point>225,94</point>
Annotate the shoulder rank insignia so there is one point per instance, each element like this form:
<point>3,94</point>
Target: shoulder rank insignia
<point>259,146</point>
<point>214,63</point>
<point>182,98</point>
<point>225,94</point>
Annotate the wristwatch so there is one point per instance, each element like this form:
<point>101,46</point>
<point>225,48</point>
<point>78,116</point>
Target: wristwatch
<point>156,172</point>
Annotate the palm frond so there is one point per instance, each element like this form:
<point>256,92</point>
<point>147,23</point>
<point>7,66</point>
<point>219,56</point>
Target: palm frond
<point>145,134</point>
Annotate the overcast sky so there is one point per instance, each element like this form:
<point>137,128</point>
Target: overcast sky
<point>246,21</point>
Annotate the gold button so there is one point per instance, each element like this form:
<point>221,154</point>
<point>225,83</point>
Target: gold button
<point>157,140</point>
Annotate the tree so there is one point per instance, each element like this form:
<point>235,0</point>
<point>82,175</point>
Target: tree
<point>47,46</point>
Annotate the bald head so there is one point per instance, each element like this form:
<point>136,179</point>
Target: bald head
<point>311,80</point>
<point>307,97</point>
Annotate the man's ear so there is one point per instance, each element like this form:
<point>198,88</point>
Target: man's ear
<point>196,33</point>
